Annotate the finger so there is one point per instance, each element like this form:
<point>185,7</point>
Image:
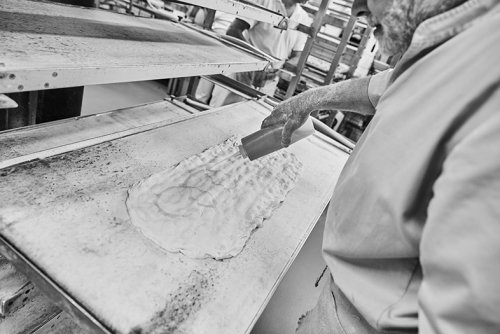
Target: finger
<point>275,118</point>
<point>286,134</point>
<point>269,121</point>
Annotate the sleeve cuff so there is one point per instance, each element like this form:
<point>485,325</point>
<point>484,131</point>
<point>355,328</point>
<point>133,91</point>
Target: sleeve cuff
<point>377,86</point>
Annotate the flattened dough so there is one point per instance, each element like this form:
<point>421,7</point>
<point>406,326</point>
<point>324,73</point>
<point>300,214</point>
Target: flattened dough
<point>202,208</point>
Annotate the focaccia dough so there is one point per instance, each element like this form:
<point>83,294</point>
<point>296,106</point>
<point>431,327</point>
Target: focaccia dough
<point>208,207</point>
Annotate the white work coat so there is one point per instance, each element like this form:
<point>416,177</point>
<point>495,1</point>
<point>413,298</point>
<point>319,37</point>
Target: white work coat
<point>413,229</point>
<point>275,42</point>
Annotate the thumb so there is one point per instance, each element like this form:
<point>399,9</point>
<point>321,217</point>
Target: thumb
<point>268,122</point>
<point>286,134</point>
<point>275,118</point>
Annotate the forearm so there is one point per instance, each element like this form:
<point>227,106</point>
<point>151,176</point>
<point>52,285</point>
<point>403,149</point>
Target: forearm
<point>349,95</point>
<point>294,59</point>
<point>235,33</point>
<point>236,29</point>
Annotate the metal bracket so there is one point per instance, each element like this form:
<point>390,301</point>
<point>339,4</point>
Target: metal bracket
<point>16,300</point>
<point>7,102</point>
<point>283,24</point>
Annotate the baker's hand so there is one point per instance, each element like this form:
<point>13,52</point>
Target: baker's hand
<point>290,114</point>
<point>259,78</point>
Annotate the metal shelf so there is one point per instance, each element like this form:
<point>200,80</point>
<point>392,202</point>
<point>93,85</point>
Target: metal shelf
<point>248,10</point>
<point>329,47</point>
<point>46,45</point>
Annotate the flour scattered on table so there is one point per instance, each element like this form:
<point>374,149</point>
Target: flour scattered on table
<point>203,208</point>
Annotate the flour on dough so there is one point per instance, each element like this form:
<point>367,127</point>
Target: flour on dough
<point>202,208</point>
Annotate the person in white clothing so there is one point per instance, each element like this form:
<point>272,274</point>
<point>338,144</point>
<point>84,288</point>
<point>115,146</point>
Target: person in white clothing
<point>221,23</point>
<point>282,44</point>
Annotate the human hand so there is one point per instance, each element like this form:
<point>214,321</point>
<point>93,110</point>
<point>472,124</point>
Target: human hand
<point>259,78</point>
<point>291,115</point>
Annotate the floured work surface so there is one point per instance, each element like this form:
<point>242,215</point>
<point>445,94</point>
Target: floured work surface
<point>68,215</point>
<point>208,205</point>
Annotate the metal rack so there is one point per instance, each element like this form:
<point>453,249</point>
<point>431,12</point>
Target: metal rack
<point>88,46</point>
<point>325,52</point>
<point>51,51</point>
<point>241,8</point>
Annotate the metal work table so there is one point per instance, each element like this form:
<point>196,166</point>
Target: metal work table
<point>63,220</point>
<point>63,185</point>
